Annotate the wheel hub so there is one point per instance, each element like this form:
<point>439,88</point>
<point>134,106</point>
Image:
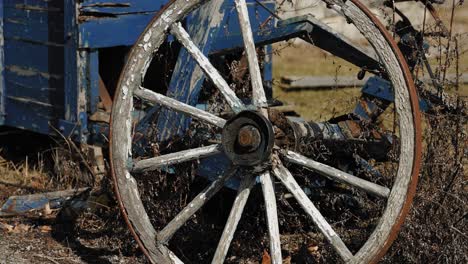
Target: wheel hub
<point>248,139</point>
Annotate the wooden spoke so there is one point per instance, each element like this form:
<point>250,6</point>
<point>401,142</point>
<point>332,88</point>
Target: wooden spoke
<point>233,220</point>
<point>337,175</point>
<point>172,257</point>
<point>272,217</point>
<point>184,38</point>
<point>194,206</point>
<point>175,158</point>
<point>258,93</point>
<point>288,180</point>
<point>168,102</point>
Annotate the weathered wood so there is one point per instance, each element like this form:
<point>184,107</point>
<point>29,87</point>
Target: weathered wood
<point>105,96</point>
<point>328,39</point>
<point>168,102</point>
<point>135,69</point>
<point>258,93</point>
<point>337,175</point>
<point>193,207</point>
<point>176,158</point>
<point>288,180</point>
<point>297,83</point>
<point>272,217</point>
<point>183,37</point>
<point>172,257</point>
<point>24,203</point>
<point>406,105</point>
<point>234,218</point>
<point>187,77</point>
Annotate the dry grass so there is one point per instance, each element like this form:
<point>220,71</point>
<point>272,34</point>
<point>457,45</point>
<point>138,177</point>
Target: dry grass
<point>301,59</point>
<point>24,174</point>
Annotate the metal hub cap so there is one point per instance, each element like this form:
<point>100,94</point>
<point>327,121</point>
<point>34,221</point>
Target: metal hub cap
<point>248,139</point>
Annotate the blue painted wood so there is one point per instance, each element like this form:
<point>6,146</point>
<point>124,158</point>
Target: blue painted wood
<point>121,6</point>
<point>268,71</point>
<point>35,26</point>
<point>34,81</point>
<point>2,67</point>
<point>184,85</point>
<point>29,58</point>
<point>30,115</point>
<point>36,5</point>
<point>380,88</point>
<point>227,42</point>
<point>25,203</point>
<point>41,86</point>
<point>122,30</point>
<point>72,86</point>
<point>186,80</point>
<point>45,94</point>
<point>216,165</point>
<point>93,88</point>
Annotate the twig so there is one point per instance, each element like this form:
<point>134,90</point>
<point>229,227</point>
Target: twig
<point>84,161</point>
<point>46,257</point>
<point>458,231</point>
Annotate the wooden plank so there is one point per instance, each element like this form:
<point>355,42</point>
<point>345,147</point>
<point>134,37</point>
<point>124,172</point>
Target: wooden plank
<point>179,107</point>
<point>24,203</point>
<point>230,38</point>
<point>337,175</point>
<point>73,64</point>
<point>106,99</point>
<point>288,180</point>
<point>337,44</point>
<point>38,86</point>
<point>93,85</point>
<point>121,6</point>
<point>107,31</point>
<point>31,115</point>
<point>34,26</point>
<point>187,78</point>
<point>36,5</point>
<point>176,158</point>
<point>16,87</point>
<point>297,83</point>
<point>27,59</point>
<point>33,78</point>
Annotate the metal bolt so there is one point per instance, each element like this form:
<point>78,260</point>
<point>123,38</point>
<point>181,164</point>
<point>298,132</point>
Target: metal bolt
<point>249,137</point>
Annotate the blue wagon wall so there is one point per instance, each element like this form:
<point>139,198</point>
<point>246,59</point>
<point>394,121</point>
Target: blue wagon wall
<point>33,59</point>
<point>49,64</point>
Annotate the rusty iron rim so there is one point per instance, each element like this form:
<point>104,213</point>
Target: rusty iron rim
<point>417,127</point>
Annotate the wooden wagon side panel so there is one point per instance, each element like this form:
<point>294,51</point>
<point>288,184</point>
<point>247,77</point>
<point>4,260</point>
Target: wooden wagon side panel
<point>33,46</point>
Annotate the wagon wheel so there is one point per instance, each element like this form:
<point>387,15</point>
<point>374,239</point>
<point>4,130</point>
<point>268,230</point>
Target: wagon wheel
<point>247,139</point>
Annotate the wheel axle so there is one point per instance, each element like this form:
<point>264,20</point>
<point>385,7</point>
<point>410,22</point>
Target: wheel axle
<point>248,139</point>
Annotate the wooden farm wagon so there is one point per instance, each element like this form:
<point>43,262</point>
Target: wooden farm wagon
<point>184,94</point>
